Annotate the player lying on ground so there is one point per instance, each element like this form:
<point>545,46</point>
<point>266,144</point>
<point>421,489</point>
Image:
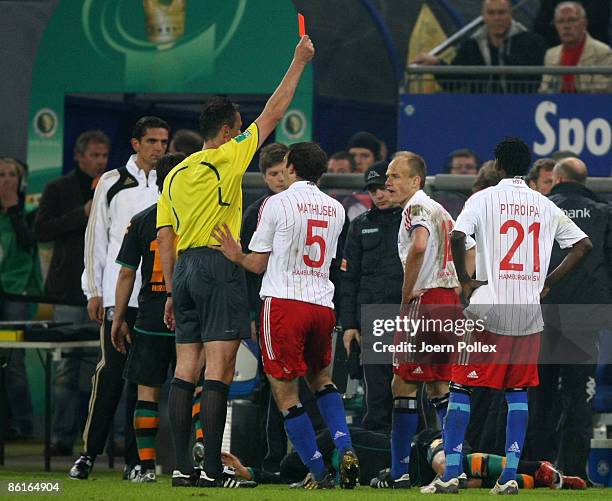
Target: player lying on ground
<point>483,470</point>
<point>426,462</point>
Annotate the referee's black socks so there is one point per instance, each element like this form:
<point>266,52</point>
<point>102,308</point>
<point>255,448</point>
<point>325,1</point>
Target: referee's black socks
<point>179,413</point>
<point>213,413</point>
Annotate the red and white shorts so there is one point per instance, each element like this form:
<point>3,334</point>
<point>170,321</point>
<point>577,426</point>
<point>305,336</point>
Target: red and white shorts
<point>514,364</point>
<point>442,304</point>
<point>295,337</point>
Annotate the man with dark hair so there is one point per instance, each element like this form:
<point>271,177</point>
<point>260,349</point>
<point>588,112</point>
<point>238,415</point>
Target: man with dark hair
<point>61,218</point>
<point>462,161</point>
<point>271,163</point>
<point>341,162</point>
<point>119,195</point>
<point>365,150</point>
<point>206,292</point>
<point>294,244</point>
<point>515,228</point>
<point>372,273</point>
<point>185,141</point>
<point>152,350</point>
<point>561,423</point>
<point>271,166</point>
<point>364,147</point>
<point>540,176</point>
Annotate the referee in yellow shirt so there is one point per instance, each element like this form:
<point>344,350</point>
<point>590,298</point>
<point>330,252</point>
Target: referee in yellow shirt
<point>208,303</point>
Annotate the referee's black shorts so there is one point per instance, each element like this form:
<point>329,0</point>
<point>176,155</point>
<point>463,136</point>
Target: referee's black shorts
<point>210,298</point>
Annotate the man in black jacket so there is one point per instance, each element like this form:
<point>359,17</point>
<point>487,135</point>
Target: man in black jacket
<point>372,273</point>
<point>62,219</point>
<point>561,421</point>
<point>502,41</point>
<point>271,165</point>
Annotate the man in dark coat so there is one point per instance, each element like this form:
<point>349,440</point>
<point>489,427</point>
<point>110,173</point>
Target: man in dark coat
<point>501,41</point>
<point>62,218</point>
<point>561,422</point>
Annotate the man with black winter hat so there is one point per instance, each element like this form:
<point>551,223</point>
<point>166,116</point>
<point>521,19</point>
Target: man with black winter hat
<point>364,147</point>
<point>372,273</point>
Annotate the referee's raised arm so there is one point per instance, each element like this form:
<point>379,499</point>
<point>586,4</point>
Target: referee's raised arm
<point>280,100</point>
<point>209,303</point>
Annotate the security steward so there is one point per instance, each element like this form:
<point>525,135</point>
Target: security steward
<point>372,273</point>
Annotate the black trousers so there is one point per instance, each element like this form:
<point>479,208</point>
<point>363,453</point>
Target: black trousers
<point>378,397</point>
<point>561,418</point>
<point>486,431</point>
<point>107,387</point>
<point>273,433</point>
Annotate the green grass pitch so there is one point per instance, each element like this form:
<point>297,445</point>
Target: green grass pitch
<point>105,485</point>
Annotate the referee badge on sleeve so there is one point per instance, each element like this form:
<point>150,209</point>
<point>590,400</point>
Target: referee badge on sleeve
<point>241,137</point>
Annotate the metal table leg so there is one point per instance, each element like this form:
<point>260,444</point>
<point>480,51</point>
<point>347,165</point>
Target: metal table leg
<point>48,362</point>
<point>3,407</point>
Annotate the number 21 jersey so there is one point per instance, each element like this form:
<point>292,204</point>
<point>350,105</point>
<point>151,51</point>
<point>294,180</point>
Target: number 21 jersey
<point>300,228</point>
<point>515,228</point>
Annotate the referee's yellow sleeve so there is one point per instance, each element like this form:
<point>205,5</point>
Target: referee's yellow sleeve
<point>241,149</point>
<point>164,214</point>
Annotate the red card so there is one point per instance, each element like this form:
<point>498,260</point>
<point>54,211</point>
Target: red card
<point>301,25</point>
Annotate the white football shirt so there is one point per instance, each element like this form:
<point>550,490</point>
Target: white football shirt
<point>515,228</point>
<point>438,268</point>
<point>300,228</point>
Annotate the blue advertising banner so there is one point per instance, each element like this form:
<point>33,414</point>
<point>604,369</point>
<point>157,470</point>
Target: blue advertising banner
<point>435,124</point>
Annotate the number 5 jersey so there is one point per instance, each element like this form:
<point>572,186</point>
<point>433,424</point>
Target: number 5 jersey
<point>300,227</point>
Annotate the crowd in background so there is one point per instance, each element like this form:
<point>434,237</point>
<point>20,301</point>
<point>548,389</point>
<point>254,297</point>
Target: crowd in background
<point>62,218</point>
<point>503,41</point>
